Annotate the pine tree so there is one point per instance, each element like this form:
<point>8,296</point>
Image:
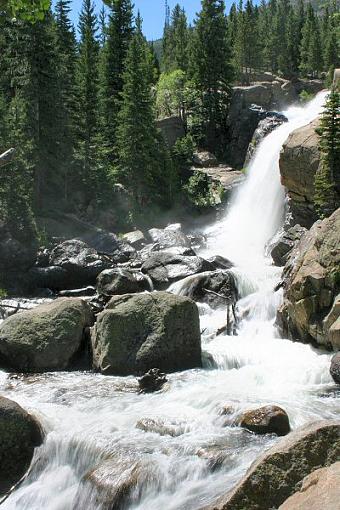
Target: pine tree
<point>118,36</point>
<point>87,82</point>
<point>102,25</point>
<point>211,71</point>
<point>176,38</point>
<point>327,179</point>
<point>311,62</point>
<point>66,67</point>
<point>144,165</point>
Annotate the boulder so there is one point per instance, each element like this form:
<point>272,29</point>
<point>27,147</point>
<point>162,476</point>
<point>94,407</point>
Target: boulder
<point>265,126</point>
<point>82,263</point>
<point>335,368</point>
<point>282,247</point>
<point>113,484</point>
<point>135,238</point>
<point>273,477</point>
<point>299,162</point>
<point>17,253</point>
<point>266,420</point>
<point>54,278</point>
<point>112,282</point>
<point>20,433</point>
<point>205,159</point>
<point>45,338</point>
<point>164,268</point>
<point>310,310</point>
<point>152,381</point>
<point>319,491</point>
<point>172,129</point>
<point>171,236</point>
<point>138,332</point>
<point>217,288</point>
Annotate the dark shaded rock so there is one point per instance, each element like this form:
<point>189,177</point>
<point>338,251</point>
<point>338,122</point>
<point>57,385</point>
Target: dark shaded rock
<point>165,268</point>
<point>172,129</point>
<point>137,332</point>
<point>20,433</point>
<point>282,247</point>
<point>220,262</point>
<point>271,121</point>
<point>82,263</point>
<point>51,277</point>
<point>152,381</point>
<point>217,288</point>
<point>112,282</point>
<point>205,159</point>
<point>335,368</point>
<point>266,420</point>
<point>274,476</point>
<point>16,252</point>
<point>45,338</point>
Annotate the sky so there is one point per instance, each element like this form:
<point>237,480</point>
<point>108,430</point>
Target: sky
<point>152,11</point>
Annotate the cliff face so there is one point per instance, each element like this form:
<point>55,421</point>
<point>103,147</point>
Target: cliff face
<point>299,161</point>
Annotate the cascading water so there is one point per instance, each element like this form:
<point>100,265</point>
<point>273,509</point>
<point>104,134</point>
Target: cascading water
<point>189,455</point>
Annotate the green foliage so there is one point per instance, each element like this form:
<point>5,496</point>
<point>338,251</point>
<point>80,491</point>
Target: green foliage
<point>327,179</point>
<point>32,10</point>
<point>171,94</point>
<point>211,72</point>
<point>305,96</point>
<point>199,190</point>
<point>182,156</point>
<point>144,164</point>
<point>175,42</point>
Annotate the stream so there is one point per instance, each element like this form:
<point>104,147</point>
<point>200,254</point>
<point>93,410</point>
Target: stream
<point>192,455</point>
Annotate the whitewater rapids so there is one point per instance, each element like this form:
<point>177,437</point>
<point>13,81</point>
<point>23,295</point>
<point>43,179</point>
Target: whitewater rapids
<point>89,417</point>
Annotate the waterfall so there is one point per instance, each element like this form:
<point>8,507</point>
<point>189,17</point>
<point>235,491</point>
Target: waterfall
<point>191,454</point>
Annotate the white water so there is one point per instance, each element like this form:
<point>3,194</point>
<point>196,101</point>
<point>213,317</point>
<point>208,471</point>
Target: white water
<point>89,417</point>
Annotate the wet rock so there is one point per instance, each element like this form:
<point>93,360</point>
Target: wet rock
<point>51,277</point>
<point>271,121</point>
<point>114,484</point>
<point>135,238</point>
<point>120,281</point>
<point>335,368</point>
<point>138,332</point>
<point>20,433</point>
<point>266,420</point>
<point>319,491</point>
<point>220,262</point>
<point>283,246</point>
<point>311,307</point>
<point>152,381</point>
<point>273,478</point>
<point>82,263</point>
<point>165,268</point>
<point>171,236</point>
<point>158,426</point>
<point>45,338</point>
<point>217,288</point>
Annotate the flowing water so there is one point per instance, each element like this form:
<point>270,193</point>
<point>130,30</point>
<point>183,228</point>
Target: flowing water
<point>184,447</point>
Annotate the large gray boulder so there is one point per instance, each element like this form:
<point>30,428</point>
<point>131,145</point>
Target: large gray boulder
<point>45,338</point>
<point>274,477</point>
<point>137,332</point>
<point>20,433</point>
<point>319,491</point>
<point>282,247</point>
<point>311,306</point>
<point>169,237</point>
<point>165,268</point>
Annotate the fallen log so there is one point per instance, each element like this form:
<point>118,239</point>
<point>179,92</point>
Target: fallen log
<point>7,157</point>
